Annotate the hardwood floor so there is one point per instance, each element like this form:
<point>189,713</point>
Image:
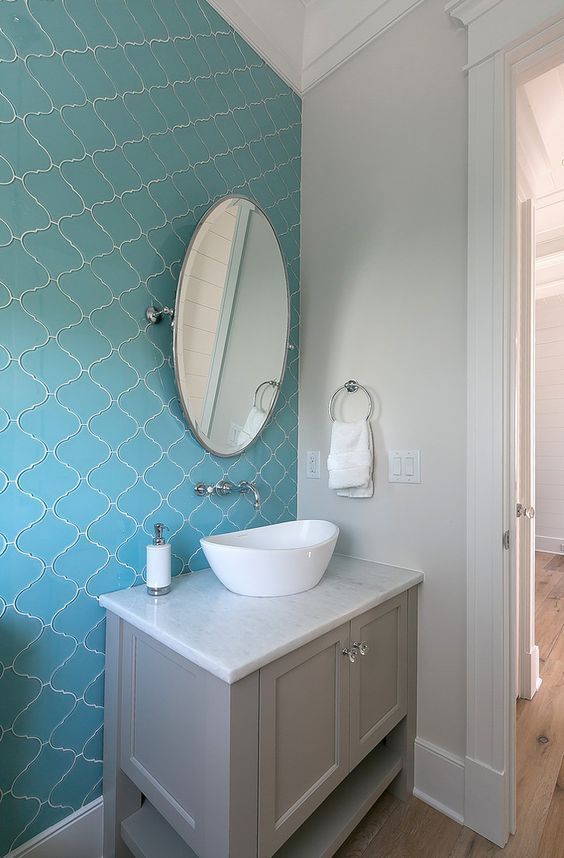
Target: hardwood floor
<point>393,829</point>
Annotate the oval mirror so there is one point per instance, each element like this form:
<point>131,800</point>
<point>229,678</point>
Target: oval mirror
<point>231,324</point>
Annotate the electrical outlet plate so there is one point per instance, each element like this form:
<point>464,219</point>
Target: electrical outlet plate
<point>313,469</point>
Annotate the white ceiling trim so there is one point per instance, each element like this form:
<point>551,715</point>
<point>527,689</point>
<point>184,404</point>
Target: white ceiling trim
<point>305,40</point>
<point>532,157</point>
<point>260,32</point>
<point>333,33</point>
<point>468,10</point>
<point>493,25</point>
<point>549,290</point>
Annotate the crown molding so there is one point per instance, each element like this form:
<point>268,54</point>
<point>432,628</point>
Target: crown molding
<point>256,26</point>
<point>334,32</point>
<point>468,10</point>
<point>496,25</point>
<point>306,40</point>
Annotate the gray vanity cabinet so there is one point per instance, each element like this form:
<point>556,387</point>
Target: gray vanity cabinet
<point>188,741</point>
<point>378,683</point>
<point>321,714</point>
<point>304,729</point>
<point>284,762</point>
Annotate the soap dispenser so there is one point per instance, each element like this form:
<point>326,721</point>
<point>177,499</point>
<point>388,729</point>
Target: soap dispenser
<point>158,563</point>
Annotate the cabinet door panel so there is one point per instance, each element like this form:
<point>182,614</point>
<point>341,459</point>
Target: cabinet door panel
<point>303,734</point>
<point>378,683</point>
<point>189,743</point>
<point>158,753</point>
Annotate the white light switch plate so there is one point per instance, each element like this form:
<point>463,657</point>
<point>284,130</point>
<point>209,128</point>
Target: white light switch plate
<point>404,466</point>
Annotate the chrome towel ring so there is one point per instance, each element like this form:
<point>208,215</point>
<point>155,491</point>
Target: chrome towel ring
<point>351,386</point>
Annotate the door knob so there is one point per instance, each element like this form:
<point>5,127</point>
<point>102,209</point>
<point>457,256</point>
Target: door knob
<point>361,646</point>
<point>526,511</point>
<point>352,653</point>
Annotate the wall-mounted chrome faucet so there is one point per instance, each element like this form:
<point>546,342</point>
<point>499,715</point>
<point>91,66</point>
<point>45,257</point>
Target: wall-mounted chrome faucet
<point>225,487</point>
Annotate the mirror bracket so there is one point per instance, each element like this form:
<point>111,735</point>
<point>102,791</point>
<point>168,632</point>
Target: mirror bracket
<point>155,314</point>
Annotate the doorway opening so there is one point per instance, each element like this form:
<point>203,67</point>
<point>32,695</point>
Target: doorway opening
<point>539,423</point>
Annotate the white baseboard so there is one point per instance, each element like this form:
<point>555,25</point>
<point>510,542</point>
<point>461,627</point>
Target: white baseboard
<point>439,779</point>
<point>530,673</point>
<point>549,543</point>
<point>487,810</point>
<point>79,834</point>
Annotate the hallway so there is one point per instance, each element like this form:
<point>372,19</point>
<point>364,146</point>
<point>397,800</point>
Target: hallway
<point>414,830</point>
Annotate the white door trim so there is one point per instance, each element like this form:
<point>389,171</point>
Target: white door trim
<point>501,33</point>
<point>528,677</point>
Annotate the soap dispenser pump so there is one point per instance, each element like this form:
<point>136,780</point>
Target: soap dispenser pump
<point>158,563</point>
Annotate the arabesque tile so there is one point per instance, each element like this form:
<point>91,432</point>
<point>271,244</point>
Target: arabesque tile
<point>121,122</point>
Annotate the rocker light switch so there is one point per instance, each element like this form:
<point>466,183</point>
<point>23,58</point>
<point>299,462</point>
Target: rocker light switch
<point>404,466</point>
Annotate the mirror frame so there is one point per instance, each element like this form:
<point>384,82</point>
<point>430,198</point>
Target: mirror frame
<point>202,440</point>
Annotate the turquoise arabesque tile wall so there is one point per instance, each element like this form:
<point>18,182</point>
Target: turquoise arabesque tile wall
<point>121,121</point>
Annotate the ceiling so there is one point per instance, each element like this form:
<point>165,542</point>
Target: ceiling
<point>541,131</point>
<point>305,40</point>
<point>540,146</point>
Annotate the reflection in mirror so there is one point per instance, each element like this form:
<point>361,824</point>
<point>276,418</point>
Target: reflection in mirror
<point>231,326</point>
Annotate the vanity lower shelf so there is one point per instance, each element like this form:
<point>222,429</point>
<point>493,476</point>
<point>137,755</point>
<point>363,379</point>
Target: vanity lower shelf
<point>149,835</point>
<point>330,825</point>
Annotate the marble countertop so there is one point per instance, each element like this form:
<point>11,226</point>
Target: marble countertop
<point>231,636</point>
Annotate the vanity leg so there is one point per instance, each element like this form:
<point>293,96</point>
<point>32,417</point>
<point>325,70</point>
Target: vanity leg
<point>402,737</point>
<point>121,796</point>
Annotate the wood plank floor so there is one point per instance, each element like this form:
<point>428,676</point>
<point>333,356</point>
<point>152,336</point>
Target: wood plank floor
<point>393,829</point>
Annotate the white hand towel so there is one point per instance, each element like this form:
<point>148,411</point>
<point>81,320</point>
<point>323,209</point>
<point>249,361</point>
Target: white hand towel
<point>367,490</point>
<point>253,424</point>
<point>351,458</point>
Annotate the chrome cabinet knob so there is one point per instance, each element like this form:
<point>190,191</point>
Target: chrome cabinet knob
<point>352,653</point>
<point>361,646</point>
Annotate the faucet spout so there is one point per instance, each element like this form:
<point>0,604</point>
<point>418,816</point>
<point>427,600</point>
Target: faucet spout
<point>245,486</point>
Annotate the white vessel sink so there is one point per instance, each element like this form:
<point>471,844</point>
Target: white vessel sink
<point>276,560</point>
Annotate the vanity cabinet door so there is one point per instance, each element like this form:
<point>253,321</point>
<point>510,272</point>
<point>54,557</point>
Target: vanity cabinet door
<point>189,743</point>
<point>378,679</point>
<point>303,745</point>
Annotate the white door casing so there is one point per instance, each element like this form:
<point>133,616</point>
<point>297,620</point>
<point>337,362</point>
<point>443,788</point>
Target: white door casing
<point>504,36</point>
<point>527,674</point>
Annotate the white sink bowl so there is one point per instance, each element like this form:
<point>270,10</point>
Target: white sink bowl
<point>276,560</point>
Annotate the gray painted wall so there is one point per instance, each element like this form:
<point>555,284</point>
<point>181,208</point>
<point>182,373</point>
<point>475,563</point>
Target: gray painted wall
<point>384,301</point>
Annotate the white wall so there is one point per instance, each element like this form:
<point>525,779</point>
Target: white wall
<point>384,301</point>
<point>549,487</point>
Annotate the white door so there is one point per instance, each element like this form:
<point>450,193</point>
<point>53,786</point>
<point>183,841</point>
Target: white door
<point>528,653</point>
